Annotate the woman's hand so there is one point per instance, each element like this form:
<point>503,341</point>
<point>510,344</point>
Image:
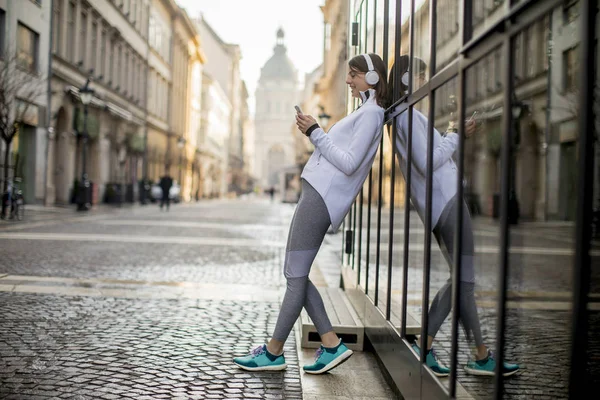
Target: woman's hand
<point>470,127</point>
<point>304,122</point>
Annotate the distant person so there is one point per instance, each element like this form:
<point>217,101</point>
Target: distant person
<point>444,207</point>
<point>271,192</point>
<point>331,180</point>
<point>166,182</point>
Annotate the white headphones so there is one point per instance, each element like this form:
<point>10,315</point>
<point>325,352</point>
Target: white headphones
<point>371,77</point>
<point>405,78</point>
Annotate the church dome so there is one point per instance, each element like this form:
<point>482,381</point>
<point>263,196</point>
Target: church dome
<point>279,66</point>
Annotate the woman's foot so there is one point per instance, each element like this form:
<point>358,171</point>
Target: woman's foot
<point>432,362</point>
<point>327,358</point>
<point>261,360</point>
<point>487,366</point>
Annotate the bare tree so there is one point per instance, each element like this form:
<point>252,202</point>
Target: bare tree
<point>19,90</point>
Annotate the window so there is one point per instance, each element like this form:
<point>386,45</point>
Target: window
<point>570,12</point>
<point>111,53</point>
<point>83,38</point>
<point>56,26</point>
<point>133,12</point>
<point>94,46</point>
<point>71,32</point>
<point>118,69</point>
<point>27,48</point>
<point>570,69</point>
<point>531,66</point>
<point>102,52</point>
<point>126,82</point>
<point>477,12</point>
<point>2,32</point>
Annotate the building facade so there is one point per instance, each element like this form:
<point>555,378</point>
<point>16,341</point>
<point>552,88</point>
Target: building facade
<point>332,87</point>
<point>104,42</point>
<point>25,29</point>
<point>224,70</point>
<point>276,95</point>
<point>214,138</point>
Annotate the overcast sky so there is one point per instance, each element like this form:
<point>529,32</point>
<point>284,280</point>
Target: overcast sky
<point>253,25</point>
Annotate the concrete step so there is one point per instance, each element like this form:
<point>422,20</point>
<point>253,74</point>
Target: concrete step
<point>345,321</point>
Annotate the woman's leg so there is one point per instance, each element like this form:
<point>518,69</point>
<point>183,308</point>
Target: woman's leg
<point>441,305</point>
<point>308,228</point>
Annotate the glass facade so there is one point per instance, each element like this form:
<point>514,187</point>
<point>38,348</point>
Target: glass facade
<point>519,82</point>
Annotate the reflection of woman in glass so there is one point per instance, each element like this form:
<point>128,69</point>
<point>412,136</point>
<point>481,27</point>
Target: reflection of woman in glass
<point>331,180</point>
<point>443,219</point>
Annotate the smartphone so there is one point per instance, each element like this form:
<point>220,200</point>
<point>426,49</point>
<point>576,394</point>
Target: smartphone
<point>298,110</point>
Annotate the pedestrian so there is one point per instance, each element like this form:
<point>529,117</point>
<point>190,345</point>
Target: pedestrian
<point>331,180</point>
<point>166,182</point>
<point>444,207</point>
<point>271,192</point>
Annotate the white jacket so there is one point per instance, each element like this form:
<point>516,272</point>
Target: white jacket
<point>343,157</point>
<point>444,168</point>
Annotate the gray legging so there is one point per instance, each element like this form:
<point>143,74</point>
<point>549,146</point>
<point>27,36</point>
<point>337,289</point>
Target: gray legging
<point>442,303</point>
<point>309,226</point>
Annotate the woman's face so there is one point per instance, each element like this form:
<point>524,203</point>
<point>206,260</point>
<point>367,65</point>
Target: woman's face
<point>356,80</point>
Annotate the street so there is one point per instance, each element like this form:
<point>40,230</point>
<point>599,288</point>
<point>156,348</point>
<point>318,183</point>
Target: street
<point>143,304</point>
<point>139,303</point>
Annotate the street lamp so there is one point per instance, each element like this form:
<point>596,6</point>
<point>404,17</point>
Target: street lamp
<point>324,117</point>
<point>515,139</point>
<point>85,94</point>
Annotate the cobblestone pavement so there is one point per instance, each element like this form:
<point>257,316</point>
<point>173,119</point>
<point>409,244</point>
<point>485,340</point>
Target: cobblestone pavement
<point>132,344</point>
<point>136,345</point>
<point>78,348</point>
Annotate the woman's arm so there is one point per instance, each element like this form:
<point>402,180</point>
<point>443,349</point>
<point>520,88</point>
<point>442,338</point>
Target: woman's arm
<point>364,130</point>
<point>441,153</point>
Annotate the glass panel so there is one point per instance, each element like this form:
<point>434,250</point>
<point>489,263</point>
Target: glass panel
<point>379,26</point>
<point>443,221</point>
<point>363,28</point>
<point>391,32</point>
<point>398,239</point>
<point>368,232</point>
<point>543,190</point>
<point>481,227</point>
<point>485,13</point>
<point>385,220</point>
<point>375,203</point>
<point>416,230</point>
<point>370,15</point>
<point>447,38</point>
<point>421,51</point>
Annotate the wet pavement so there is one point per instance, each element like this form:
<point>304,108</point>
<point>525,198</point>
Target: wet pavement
<point>139,304</point>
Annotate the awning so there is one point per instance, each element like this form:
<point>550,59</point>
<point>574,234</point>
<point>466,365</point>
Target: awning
<point>108,106</point>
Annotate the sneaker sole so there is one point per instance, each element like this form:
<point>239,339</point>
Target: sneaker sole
<point>479,372</point>
<point>338,361</point>
<point>440,374</point>
<point>267,368</point>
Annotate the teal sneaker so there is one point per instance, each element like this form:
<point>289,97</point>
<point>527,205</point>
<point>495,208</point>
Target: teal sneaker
<point>432,362</point>
<point>327,358</point>
<point>487,366</point>
<point>261,360</point>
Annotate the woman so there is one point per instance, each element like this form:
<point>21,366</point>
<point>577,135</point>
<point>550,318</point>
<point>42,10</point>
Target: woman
<point>443,218</point>
<point>331,181</point>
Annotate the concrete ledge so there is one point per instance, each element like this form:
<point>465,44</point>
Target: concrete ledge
<point>346,323</point>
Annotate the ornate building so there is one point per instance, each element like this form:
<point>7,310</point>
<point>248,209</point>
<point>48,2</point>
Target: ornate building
<point>276,95</point>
